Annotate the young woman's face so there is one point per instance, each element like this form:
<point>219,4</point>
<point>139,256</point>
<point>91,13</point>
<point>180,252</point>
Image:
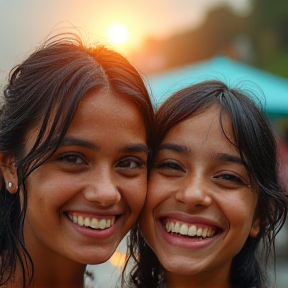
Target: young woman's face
<point>86,197</point>
<point>200,208</point>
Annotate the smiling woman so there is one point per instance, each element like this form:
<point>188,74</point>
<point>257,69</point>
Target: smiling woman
<point>213,194</point>
<point>76,129</point>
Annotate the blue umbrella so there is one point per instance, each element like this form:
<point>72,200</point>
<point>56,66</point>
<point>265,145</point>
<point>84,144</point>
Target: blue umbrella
<point>271,90</point>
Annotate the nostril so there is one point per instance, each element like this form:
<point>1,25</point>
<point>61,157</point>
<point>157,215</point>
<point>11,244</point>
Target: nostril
<point>193,197</point>
<point>105,198</point>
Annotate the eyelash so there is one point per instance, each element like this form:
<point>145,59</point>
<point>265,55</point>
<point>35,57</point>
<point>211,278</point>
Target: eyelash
<point>70,157</point>
<point>169,165</point>
<point>225,178</point>
<point>133,163</point>
<point>131,160</point>
<point>231,178</point>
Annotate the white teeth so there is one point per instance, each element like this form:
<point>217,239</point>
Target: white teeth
<point>199,232</point>
<point>184,229</point>
<point>80,221</point>
<point>204,232</point>
<point>94,223</point>
<point>91,222</point>
<point>87,222</point>
<point>168,227</point>
<point>208,233</point>
<point>102,224</point>
<point>192,231</point>
<point>176,228</point>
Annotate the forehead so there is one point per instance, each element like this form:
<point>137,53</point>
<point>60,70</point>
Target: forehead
<point>101,106</point>
<point>209,120</point>
<point>204,131</point>
<point>107,100</point>
<point>94,110</point>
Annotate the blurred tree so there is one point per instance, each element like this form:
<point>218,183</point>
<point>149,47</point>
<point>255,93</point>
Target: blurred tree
<point>269,35</point>
<point>215,36</point>
<point>258,39</point>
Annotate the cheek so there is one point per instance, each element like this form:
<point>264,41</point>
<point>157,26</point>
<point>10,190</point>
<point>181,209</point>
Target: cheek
<point>158,191</point>
<point>241,211</point>
<point>155,196</point>
<point>50,191</point>
<point>147,225</point>
<point>134,192</point>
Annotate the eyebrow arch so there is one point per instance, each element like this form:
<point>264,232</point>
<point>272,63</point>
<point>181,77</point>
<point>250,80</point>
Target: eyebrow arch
<point>174,147</point>
<point>73,141</point>
<point>135,148</point>
<point>224,157</point>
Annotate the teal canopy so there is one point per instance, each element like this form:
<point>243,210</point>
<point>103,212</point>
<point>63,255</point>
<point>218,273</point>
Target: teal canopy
<point>271,90</point>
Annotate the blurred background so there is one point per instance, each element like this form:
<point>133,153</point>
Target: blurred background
<point>172,43</point>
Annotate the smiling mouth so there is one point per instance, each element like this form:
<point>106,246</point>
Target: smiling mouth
<point>92,222</point>
<point>195,231</point>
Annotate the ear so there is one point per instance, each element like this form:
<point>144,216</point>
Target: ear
<point>9,172</point>
<point>255,228</point>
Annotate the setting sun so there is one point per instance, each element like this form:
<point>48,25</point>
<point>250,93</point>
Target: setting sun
<point>117,33</point>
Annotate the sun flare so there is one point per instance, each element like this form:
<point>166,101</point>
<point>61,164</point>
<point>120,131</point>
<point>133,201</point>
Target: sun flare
<point>118,259</point>
<point>117,33</point>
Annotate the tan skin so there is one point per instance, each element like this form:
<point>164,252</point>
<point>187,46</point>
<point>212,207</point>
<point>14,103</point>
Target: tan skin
<point>94,174</point>
<point>199,180</point>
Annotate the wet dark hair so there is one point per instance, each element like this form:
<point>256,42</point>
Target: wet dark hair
<point>257,145</point>
<point>45,91</point>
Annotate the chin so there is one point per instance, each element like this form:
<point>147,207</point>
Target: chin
<point>93,258</point>
<point>179,270</point>
<point>181,267</point>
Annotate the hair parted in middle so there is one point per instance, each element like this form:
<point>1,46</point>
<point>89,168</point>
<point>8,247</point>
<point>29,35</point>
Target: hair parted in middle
<point>44,91</point>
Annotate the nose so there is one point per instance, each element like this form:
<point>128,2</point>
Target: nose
<point>194,192</point>
<point>102,189</point>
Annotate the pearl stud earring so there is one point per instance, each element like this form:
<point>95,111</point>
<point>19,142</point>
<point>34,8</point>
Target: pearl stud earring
<point>10,184</point>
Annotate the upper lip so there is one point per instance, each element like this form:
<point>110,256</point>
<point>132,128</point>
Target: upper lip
<point>95,212</point>
<point>192,219</point>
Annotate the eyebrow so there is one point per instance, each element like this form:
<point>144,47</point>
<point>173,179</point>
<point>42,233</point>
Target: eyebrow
<point>135,148</point>
<point>73,141</point>
<point>225,157</point>
<point>174,147</point>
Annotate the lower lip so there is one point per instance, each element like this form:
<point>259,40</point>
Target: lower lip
<point>97,233</point>
<point>185,242</point>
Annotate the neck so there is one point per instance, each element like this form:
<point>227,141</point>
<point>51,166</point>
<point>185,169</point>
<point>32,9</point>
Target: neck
<point>190,281</point>
<point>58,273</point>
<point>50,271</point>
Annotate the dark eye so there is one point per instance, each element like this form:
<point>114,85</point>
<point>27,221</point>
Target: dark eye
<point>169,168</point>
<point>231,180</point>
<point>169,165</point>
<point>131,163</point>
<point>71,158</point>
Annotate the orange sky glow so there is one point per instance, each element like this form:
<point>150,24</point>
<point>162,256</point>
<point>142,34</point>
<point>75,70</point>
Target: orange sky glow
<point>23,24</point>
